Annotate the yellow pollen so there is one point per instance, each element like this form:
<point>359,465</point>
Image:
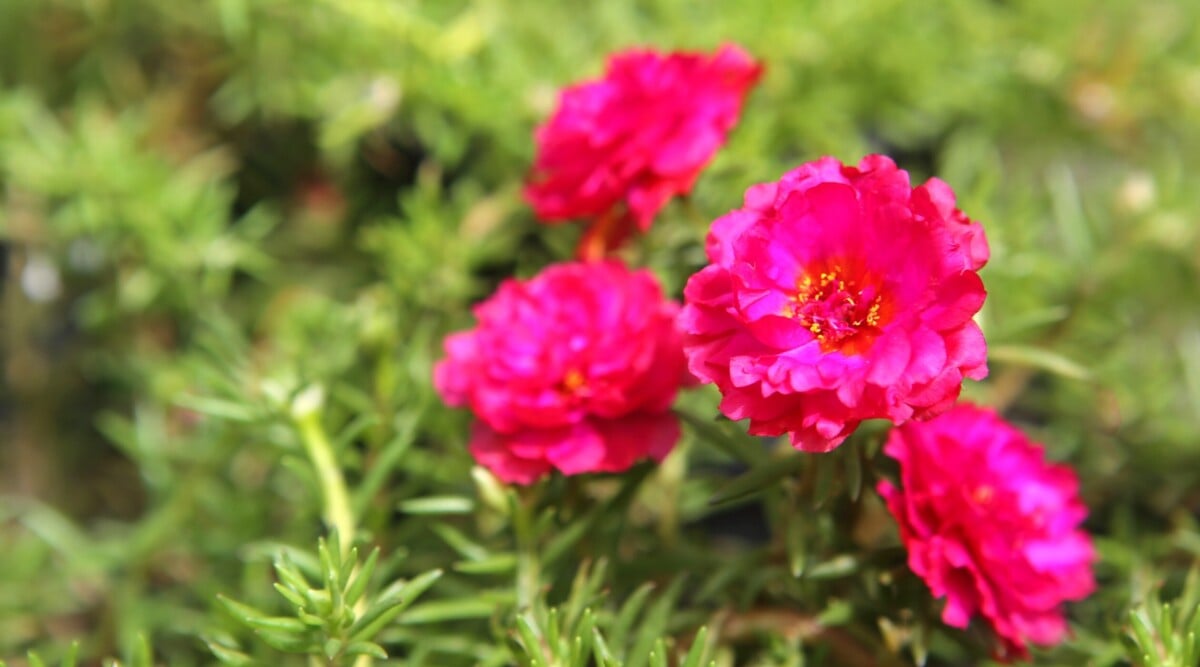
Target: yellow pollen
<point>836,306</point>
<point>873,313</point>
<point>573,380</point>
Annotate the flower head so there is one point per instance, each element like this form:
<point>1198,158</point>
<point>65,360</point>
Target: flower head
<point>574,369</point>
<point>990,525</point>
<point>834,295</point>
<point>620,147</point>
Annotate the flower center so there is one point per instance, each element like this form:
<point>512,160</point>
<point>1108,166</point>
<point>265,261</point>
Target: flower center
<point>843,309</point>
<point>983,494</point>
<point>573,382</point>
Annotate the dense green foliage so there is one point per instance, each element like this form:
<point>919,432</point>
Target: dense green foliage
<point>235,232</point>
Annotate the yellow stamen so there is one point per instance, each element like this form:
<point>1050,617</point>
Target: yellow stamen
<point>573,380</point>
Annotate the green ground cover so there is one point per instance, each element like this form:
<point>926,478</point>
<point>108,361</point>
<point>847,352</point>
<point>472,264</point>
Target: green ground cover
<point>235,231</point>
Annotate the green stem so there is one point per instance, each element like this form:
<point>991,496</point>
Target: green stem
<point>528,563</point>
<point>670,481</point>
<point>333,486</point>
<point>338,515</point>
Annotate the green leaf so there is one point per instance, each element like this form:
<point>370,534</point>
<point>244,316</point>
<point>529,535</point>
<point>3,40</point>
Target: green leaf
<point>295,598</point>
<point>143,655</point>
<point>629,613</point>
<point>228,655</point>
<point>218,407</point>
<point>346,569</point>
<point>450,610</point>
<point>258,620</point>
<point>285,642</point>
<point>699,650</point>
<point>330,558</point>
<point>279,624</point>
<point>585,589</point>
<point>390,604</point>
<point>853,463</point>
<point>292,578</point>
<point>1041,359</point>
<point>531,640</point>
<point>577,655</point>
<point>466,547</point>
<point>366,648</point>
<point>438,505</point>
<point>389,457</point>
<point>823,481</point>
<point>740,448</point>
<point>374,620</point>
<point>569,535</point>
<point>654,624</point>
<point>72,656</point>
<point>333,585</point>
<point>795,541</point>
<point>582,645</point>
<point>658,654</point>
<point>356,589</point>
<point>311,619</point>
<point>319,601</point>
<point>837,612</point>
<point>553,631</point>
<point>351,432</point>
<point>759,478</point>
<point>239,611</point>
<point>332,647</point>
<point>303,562</point>
<point>1166,635</point>
<point>838,566</point>
<point>494,564</point>
<point>604,656</point>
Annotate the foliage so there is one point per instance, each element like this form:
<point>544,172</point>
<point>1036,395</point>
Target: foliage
<point>337,620</point>
<point>1166,635</point>
<point>235,233</point>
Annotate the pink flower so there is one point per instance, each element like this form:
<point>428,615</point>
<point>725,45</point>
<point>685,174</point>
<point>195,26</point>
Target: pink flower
<point>834,295</point>
<point>575,369</point>
<point>990,525</point>
<point>620,147</point>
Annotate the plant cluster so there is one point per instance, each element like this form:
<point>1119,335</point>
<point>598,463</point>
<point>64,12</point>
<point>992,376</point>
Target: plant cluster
<point>307,362</point>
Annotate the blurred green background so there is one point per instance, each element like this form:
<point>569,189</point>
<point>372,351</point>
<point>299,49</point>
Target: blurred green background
<point>206,206</point>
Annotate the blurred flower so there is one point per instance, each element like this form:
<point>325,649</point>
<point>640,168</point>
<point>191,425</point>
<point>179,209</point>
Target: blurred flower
<point>617,149</point>
<point>575,369</point>
<point>40,279</point>
<point>990,525</point>
<point>838,294</point>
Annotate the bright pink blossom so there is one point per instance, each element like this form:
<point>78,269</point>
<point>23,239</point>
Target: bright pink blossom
<point>990,525</point>
<point>574,369</point>
<point>620,147</point>
<point>834,295</point>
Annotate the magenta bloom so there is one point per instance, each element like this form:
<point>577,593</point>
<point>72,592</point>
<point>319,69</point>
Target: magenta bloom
<point>990,525</point>
<point>574,369</point>
<point>834,295</point>
<point>638,136</point>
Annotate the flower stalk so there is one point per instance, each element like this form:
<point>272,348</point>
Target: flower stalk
<point>339,518</point>
<point>528,562</point>
<point>336,500</point>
